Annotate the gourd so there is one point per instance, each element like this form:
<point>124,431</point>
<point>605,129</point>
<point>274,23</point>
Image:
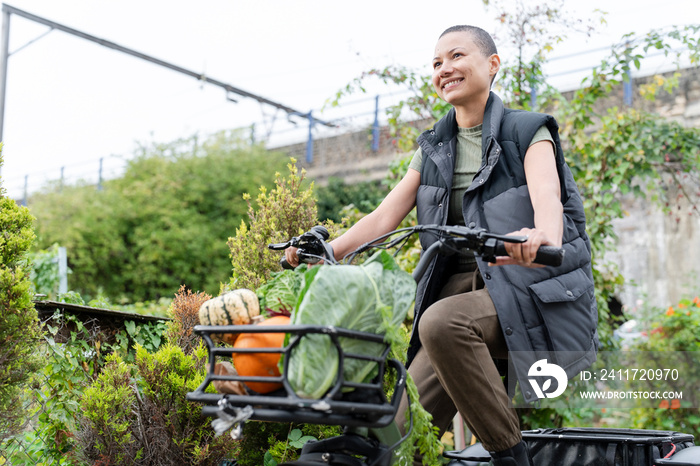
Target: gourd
<point>238,307</point>
<point>260,364</point>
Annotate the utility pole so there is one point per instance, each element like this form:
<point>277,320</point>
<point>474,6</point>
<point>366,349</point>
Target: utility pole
<point>4,54</point>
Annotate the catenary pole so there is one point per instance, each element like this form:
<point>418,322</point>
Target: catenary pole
<point>4,55</point>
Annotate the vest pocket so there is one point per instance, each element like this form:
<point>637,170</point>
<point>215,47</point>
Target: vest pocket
<point>566,306</point>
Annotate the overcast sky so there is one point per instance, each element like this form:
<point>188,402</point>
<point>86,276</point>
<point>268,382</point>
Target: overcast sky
<point>70,102</point>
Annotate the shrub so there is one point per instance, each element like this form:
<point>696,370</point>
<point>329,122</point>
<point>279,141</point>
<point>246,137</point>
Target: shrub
<point>138,414</point>
<point>19,327</point>
<point>136,411</point>
<point>185,314</point>
<point>108,404</point>
<point>165,222</point>
<point>286,211</point>
<point>675,329</point>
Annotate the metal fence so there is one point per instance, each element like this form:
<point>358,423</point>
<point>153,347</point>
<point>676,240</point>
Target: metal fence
<point>72,336</point>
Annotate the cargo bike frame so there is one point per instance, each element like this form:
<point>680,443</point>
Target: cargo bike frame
<point>370,434</point>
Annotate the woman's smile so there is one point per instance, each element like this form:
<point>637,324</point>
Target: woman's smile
<point>451,83</point>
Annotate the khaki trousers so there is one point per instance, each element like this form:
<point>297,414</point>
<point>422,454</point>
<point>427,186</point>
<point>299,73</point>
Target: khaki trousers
<point>454,369</point>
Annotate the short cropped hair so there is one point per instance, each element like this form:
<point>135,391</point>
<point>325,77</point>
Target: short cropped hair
<point>481,38</point>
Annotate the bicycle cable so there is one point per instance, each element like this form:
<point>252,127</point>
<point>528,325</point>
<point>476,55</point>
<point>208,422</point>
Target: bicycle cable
<point>375,244</point>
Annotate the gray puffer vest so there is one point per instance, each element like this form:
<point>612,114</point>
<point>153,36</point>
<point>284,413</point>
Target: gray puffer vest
<point>545,312</point>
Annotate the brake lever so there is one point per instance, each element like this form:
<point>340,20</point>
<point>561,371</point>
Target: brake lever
<point>282,246</point>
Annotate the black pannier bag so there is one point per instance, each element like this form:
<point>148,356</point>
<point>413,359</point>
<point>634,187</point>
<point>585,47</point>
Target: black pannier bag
<point>607,447</point>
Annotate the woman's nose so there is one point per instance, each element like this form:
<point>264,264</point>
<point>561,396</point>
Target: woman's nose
<point>446,68</point>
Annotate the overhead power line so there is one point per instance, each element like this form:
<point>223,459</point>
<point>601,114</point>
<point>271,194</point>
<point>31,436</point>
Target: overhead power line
<point>9,10</point>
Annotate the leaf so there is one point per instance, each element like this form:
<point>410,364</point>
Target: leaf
<point>280,293</point>
<point>295,435</point>
<point>296,440</point>
<point>269,460</point>
<point>155,340</point>
<point>130,326</point>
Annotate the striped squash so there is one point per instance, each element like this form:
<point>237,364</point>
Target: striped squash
<point>237,307</point>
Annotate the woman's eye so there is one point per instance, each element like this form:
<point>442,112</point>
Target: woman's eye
<point>457,55</point>
<point>436,64</point>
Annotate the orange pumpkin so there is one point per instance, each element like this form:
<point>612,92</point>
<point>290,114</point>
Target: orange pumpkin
<point>260,364</point>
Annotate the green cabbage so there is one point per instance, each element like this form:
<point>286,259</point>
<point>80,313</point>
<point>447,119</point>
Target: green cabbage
<point>374,297</point>
<point>280,294</point>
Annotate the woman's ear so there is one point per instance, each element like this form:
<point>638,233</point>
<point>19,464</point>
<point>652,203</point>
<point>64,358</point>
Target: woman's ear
<point>494,64</point>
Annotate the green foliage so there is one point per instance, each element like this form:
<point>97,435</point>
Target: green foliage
<point>336,195</point>
<point>289,448</point>
<point>19,329</point>
<point>73,356</point>
<point>380,307</point>
<point>424,436</point>
<point>288,210</point>
<point>153,424</point>
<point>675,329</point>
<point>44,274</point>
<point>138,414</point>
<point>258,439</point>
<point>162,224</point>
<point>108,404</point>
<point>629,152</point>
<point>159,308</point>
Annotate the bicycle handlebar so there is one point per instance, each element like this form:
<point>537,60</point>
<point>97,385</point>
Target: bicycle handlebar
<point>312,245</point>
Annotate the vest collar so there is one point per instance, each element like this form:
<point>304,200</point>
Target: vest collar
<point>445,129</point>
<point>493,114</point>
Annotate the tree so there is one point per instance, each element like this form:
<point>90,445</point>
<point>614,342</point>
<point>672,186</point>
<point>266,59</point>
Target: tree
<point>19,326</point>
<point>164,223</point>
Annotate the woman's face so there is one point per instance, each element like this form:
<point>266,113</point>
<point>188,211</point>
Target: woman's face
<point>461,72</point>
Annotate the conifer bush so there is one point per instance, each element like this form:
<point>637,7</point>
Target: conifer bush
<point>19,326</point>
<point>137,412</point>
<point>286,211</point>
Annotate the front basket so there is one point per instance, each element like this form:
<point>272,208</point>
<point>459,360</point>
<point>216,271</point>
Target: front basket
<point>344,403</point>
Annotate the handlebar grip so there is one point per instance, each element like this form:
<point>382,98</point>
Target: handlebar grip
<point>546,255</point>
<point>286,265</point>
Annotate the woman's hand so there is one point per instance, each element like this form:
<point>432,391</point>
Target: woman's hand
<point>524,254</point>
<point>290,254</point>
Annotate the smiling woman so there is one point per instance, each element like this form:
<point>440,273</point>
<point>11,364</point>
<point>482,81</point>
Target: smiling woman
<point>463,71</point>
<point>486,166</point>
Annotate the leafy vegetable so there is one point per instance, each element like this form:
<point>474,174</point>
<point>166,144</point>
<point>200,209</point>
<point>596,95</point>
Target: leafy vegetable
<point>279,295</point>
<point>373,297</point>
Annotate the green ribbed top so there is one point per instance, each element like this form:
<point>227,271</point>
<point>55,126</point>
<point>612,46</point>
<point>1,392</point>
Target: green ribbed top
<point>467,164</point>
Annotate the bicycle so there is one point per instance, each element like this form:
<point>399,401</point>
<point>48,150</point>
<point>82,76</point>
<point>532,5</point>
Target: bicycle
<point>370,433</point>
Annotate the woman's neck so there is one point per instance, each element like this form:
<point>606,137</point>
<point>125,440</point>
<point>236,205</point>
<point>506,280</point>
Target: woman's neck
<point>471,115</point>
